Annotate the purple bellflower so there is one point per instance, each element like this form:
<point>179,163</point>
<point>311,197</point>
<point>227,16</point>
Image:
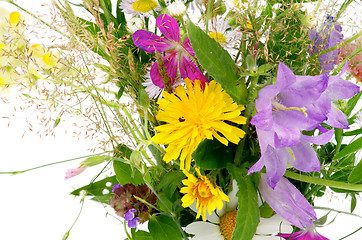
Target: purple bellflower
<point>177,52</point>
<point>329,37</point>
<point>129,216</point>
<point>286,200</point>
<point>284,110</point>
<point>307,234</point>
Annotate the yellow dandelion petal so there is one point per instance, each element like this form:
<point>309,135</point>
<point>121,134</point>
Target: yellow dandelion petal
<point>194,114</point>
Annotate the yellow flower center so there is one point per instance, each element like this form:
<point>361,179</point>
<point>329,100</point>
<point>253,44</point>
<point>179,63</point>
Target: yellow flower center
<point>227,224</point>
<point>144,5</point>
<point>15,18</point>
<point>219,37</point>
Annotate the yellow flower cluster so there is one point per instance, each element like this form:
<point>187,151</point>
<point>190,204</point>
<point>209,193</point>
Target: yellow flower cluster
<point>207,195</point>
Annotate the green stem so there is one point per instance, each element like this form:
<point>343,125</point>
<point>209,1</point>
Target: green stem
<point>49,164</point>
<point>208,14</point>
<point>351,233</point>
<point>324,182</point>
<point>126,231</point>
<point>338,211</point>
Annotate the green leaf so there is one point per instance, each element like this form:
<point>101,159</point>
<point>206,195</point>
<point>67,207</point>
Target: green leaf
<point>353,202</point>
<point>56,123</point>
<point>353,132</point>
<point>97,188</point>
<point>162,227</point>
<point>141,235</point>
<point>125,174</point>
<point>122,151</point>
<point>247,218</point>
<point>352,103</point>
<point>356,174</point>
<point>218,63</point>
<point>212,154</point>
<point>350,148</point>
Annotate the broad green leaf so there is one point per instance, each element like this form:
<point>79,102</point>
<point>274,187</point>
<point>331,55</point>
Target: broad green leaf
<point>356,174</point>
<point>162,227</point>
<point>141,235</point>
<point>247,218</point>
<point>211,154</point>
<point>217,62</point>
<point>125,174</point>
<point>350,148</point>
<point>97,188</point>
<point>169,181</point>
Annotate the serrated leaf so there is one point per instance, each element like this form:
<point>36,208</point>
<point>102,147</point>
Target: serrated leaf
<point>350,148</point>
<point>217,62</point>
<point>97,188</point>
<point>125,174</point>
<point>356,174</point>
<point>211,154</point>
<point>162,227</point>
<point>247,218</point>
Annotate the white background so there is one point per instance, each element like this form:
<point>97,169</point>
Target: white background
<point>37,204</point>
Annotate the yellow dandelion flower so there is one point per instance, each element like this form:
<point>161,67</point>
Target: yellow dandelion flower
<point>193,115</point>
<point>207,195</point>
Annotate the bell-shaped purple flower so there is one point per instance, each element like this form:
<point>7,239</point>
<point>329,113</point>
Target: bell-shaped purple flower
<point>129,216</point>
<point>286,200</point>
<point>292,105</point>
<point>307,234</point>
<point>177,52</point>
<point>328,37</point>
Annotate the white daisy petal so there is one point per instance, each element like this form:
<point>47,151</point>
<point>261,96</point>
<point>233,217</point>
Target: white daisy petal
<point>273,225</point>
<point>204,231</point>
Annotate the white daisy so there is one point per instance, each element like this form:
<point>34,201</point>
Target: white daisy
<point>177,8</point>
<point>135,24</point>
<point>137,7</point>
<point>220,225</point>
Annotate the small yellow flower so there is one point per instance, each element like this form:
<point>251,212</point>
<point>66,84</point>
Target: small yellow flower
<point>15,17</point>
<point>193,115</point>
<point>207,195</point>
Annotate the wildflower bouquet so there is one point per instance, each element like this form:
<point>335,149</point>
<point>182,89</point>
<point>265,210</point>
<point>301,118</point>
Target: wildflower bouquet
<point>217,118</point>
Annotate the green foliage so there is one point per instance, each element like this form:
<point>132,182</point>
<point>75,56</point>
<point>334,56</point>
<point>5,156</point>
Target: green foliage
<point>350,148</point>
<point>126,174</point>
<point>162,227</point>
<point>217,62</point>
<point>100,190</point>
<point>141,235</point>
<point>211,154</point>
<point>356,174</point>
<point>247,218</point>
<point>288,39</point>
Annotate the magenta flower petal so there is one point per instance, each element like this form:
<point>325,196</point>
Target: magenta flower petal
<point>150,42</point>
<point>307,234</point>
<point>288,202</point>
<point>168,27</point>
<point>187,45</point>
<point>170,62</point>
<point>189,70</point>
